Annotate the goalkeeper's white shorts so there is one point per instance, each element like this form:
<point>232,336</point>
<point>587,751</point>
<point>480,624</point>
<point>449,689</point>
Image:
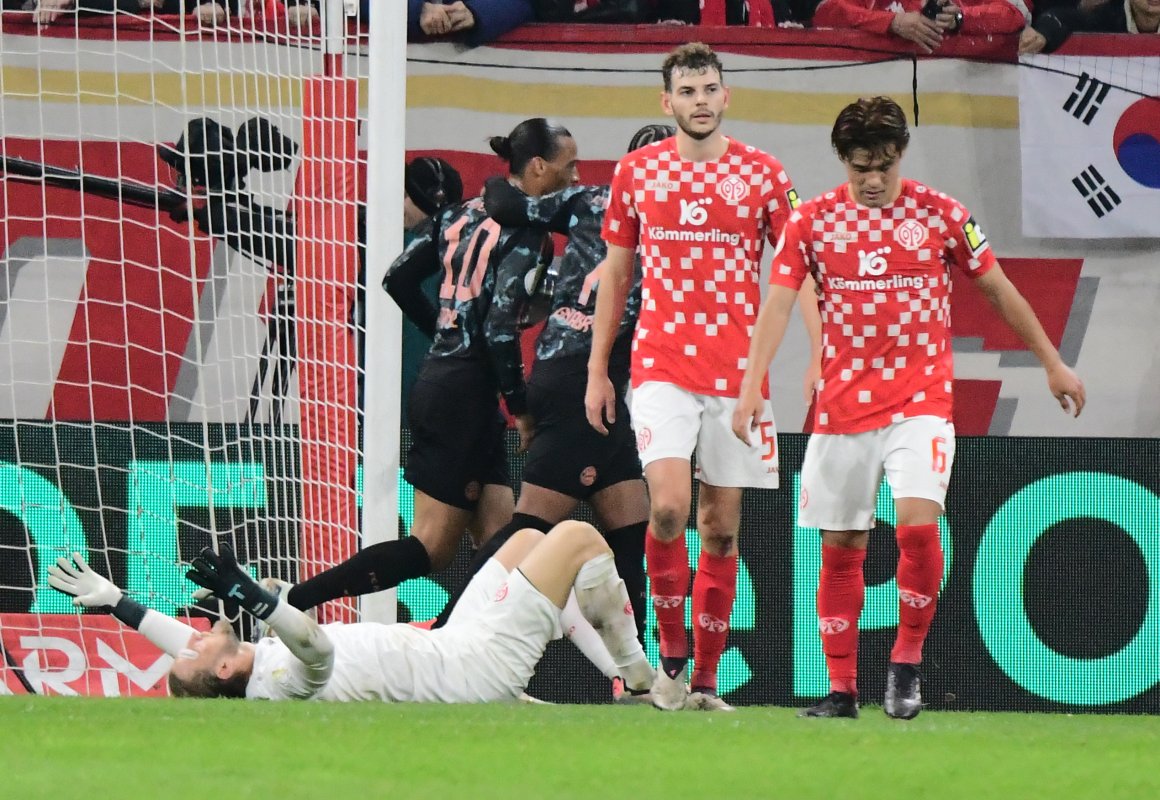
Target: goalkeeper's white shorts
<point>503,623</point>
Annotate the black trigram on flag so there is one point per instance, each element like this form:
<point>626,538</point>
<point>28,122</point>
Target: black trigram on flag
<point>1093,188</point>
<point>1086,98</point>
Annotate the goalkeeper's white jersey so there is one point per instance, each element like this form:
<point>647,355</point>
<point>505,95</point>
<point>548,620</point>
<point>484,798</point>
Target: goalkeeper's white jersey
<point>486,656</point>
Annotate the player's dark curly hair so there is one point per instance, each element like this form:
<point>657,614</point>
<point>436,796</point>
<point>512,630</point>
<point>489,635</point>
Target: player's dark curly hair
<point>695,57</point>
<point>536,137</point>
<point>874,124</point>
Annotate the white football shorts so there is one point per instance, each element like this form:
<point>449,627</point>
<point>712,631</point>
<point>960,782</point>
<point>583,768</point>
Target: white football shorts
<point>505,623</point>
<point>841,472</point>
<point>671,422</point>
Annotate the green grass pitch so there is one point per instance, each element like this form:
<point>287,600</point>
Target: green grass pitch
<point>63,748</point>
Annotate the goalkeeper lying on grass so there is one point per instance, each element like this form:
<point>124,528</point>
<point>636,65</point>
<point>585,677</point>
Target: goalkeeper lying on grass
<point>487,651</point>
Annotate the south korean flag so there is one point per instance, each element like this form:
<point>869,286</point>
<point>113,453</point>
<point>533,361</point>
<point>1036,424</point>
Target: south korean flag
<point>1089,131</point>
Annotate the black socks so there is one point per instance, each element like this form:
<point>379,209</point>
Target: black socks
<point>373,569</point>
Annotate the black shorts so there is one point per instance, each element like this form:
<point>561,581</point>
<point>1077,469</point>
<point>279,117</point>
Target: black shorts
<point>457,435</point>
<point>567,455</point>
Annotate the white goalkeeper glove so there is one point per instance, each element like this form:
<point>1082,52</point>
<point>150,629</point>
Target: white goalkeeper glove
<point>87,588</point>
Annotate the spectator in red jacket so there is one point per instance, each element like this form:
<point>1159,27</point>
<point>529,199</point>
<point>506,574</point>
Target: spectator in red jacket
<point>906,19</point>
<point>754,13</point>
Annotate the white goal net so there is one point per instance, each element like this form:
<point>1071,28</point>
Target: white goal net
<point>178,347</point>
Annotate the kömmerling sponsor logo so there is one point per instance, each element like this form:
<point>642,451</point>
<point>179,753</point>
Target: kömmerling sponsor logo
<point>878,284</point>
<point>713,236</point>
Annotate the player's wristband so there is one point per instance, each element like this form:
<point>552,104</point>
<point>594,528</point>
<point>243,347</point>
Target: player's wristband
<point>129,612</point>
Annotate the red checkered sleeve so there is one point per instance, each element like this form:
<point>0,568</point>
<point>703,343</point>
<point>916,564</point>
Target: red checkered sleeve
<point>780,199</point>
<point>621,222</point>
<point>790,259</point>
<point>966,244</point>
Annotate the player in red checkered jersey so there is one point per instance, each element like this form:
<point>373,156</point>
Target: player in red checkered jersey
<point>699,206</point>
<point>880,249</point>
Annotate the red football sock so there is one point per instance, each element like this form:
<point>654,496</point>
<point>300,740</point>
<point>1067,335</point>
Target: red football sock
<point>841,593</point>
<point>920,571</point>
<point>714,588</point>
<point>668,573</point>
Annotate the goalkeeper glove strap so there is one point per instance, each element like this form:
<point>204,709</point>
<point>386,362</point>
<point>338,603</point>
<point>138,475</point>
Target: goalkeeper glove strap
<point>129,612</point>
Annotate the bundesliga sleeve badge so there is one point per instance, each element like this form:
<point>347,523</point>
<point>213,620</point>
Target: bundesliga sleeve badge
<point>976,239</point>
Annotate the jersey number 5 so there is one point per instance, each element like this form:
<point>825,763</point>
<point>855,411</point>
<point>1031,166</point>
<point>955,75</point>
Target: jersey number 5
<point>769,439</point>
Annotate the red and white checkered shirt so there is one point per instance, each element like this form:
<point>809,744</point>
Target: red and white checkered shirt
<point>701,227</point>
<point>884,279</point>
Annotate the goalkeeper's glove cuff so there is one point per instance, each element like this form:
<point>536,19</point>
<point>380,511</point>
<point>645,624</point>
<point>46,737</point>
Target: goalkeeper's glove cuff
<point>256,600</point>
<point>129,612</point>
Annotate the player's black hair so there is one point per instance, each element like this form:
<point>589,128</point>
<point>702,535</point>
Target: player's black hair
<point>432,184</point>
<point>874,124</point>
<point>695,57</point>
<point>649,134</point>
<point>532,138</point>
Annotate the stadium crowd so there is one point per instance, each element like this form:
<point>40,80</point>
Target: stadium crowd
<point>1042,25</point>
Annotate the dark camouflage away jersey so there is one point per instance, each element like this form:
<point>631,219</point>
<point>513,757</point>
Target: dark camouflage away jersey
<point>482,294</point>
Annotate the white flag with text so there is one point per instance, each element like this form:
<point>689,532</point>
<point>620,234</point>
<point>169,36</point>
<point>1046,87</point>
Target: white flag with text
<point>1089,132</point>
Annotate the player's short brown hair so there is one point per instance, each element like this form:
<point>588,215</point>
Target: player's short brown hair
<point>205,683</point>
<point>694,57</point>
<point>874,124</point>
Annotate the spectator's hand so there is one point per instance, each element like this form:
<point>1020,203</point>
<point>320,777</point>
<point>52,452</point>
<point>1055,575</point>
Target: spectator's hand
<point>1031,41</point>
<point>210,14</point>
<point>47,11</point>
<point>671,22</point>
<point>461,17</point>
<point>914,27</point>
<point>302,16</point>
<point>949,18</point>
<point>87,588</point>
<point>526,428</point>
<point>600,403</point>
<point>789,23</point>
<point>434,19</point>
<point>1067,388</point>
